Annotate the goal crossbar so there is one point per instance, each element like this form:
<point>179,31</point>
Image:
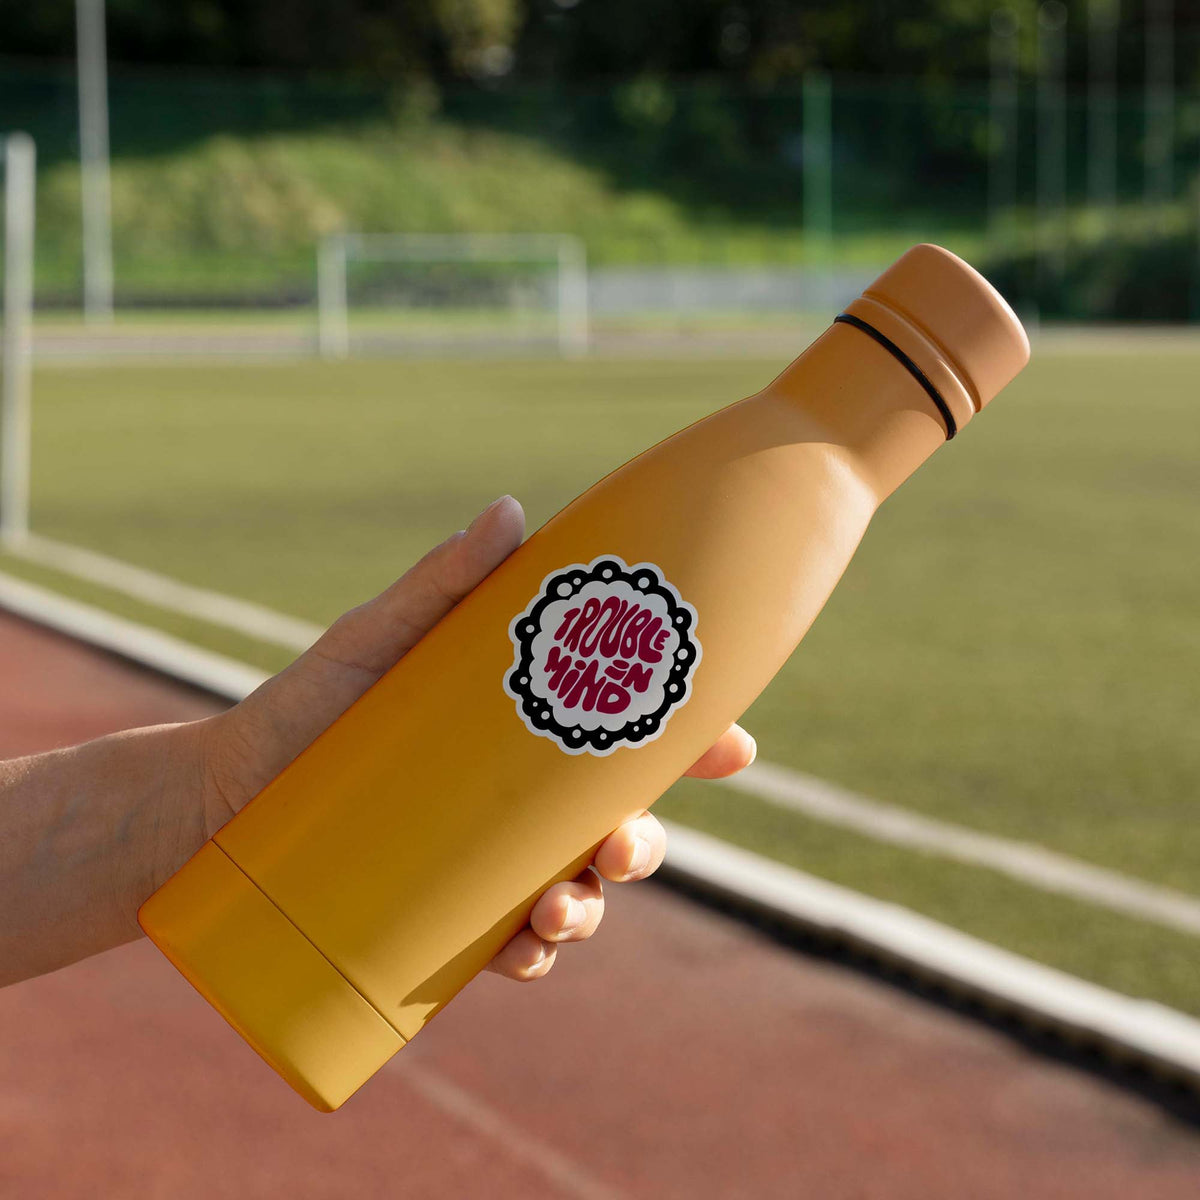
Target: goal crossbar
<point>564,252</point>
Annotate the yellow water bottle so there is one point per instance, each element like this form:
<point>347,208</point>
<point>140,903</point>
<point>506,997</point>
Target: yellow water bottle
<point>380,871</point>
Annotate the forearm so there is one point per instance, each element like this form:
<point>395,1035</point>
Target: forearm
<point>86,834</point>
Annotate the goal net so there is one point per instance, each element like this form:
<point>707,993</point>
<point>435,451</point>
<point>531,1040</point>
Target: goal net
<point>395,293</point>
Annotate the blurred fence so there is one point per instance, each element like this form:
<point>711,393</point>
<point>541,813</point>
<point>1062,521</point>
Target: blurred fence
<point>223,184</point>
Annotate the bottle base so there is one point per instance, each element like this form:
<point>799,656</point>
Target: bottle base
<point>243,955</point>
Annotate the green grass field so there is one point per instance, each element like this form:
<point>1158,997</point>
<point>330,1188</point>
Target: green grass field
<point>1016,647</point>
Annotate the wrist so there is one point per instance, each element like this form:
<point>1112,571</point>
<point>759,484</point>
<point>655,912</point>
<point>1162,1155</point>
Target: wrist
<point>220,787</point>
<point>180,804</point>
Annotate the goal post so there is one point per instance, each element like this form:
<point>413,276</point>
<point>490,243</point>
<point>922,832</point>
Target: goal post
<point>333,302</point>
<point>15,384</point>
<point>560,258</point>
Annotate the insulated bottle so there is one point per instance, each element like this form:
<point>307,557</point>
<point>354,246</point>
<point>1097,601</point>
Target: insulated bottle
<point>374,876</point>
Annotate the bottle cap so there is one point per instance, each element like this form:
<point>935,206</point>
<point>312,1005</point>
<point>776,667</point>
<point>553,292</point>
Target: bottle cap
<point>970,323</point>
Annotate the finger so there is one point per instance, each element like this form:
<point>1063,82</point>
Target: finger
<point>633,851</point>
<point>569,912</point>
<point>524,958</point>
<point>732,751</point>
<point>288,711</point>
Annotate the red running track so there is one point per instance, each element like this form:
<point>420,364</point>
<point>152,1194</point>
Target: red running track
<point>677,1055</point>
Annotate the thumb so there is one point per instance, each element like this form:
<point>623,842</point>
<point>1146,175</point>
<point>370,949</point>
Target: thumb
<point>279,719</point>
<point>376,635</point>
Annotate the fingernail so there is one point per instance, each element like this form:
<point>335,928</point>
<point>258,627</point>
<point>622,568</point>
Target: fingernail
<point>640,858</point>
<point>574,915</point>
<point>494,504</point>
<point>753,749</point>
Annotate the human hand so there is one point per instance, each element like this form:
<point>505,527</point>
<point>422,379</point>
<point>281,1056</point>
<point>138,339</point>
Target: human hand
<point>246,747</point>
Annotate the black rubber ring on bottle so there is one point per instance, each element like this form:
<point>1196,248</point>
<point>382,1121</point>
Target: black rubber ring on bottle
<point>913,369</point>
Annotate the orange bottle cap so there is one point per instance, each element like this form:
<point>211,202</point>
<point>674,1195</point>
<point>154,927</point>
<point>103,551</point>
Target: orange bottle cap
<point>956,308</point>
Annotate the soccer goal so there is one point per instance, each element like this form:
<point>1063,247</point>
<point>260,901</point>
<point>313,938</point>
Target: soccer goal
<point>19,157</point>
<point>381,293</point>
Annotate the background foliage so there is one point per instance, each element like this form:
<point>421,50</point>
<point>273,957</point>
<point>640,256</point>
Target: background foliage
<point>660,131</point>
<point>764,41</point>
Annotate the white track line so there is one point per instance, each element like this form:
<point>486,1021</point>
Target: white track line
<point>573,1178</point>
<point>253,620</point>
<point>1144,1027</point>
<point>1165,1036</point>
<point>1029,863</point>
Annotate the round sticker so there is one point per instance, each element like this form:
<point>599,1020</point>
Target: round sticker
<point>603,654</point>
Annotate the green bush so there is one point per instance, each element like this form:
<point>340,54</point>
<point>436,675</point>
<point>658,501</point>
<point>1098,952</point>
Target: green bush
<point>1121,277</point>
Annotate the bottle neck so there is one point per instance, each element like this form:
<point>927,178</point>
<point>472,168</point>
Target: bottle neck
<point>872,404</point>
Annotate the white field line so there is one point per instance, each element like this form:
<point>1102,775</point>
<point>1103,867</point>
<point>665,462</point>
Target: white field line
<point>1115,340</point>
<point>781,786</point>
<point>1152,1030</point>
<point>1023,861</point>
<point>1149,1029</point>
<point>575,1179</point>
<point>254,620</point>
